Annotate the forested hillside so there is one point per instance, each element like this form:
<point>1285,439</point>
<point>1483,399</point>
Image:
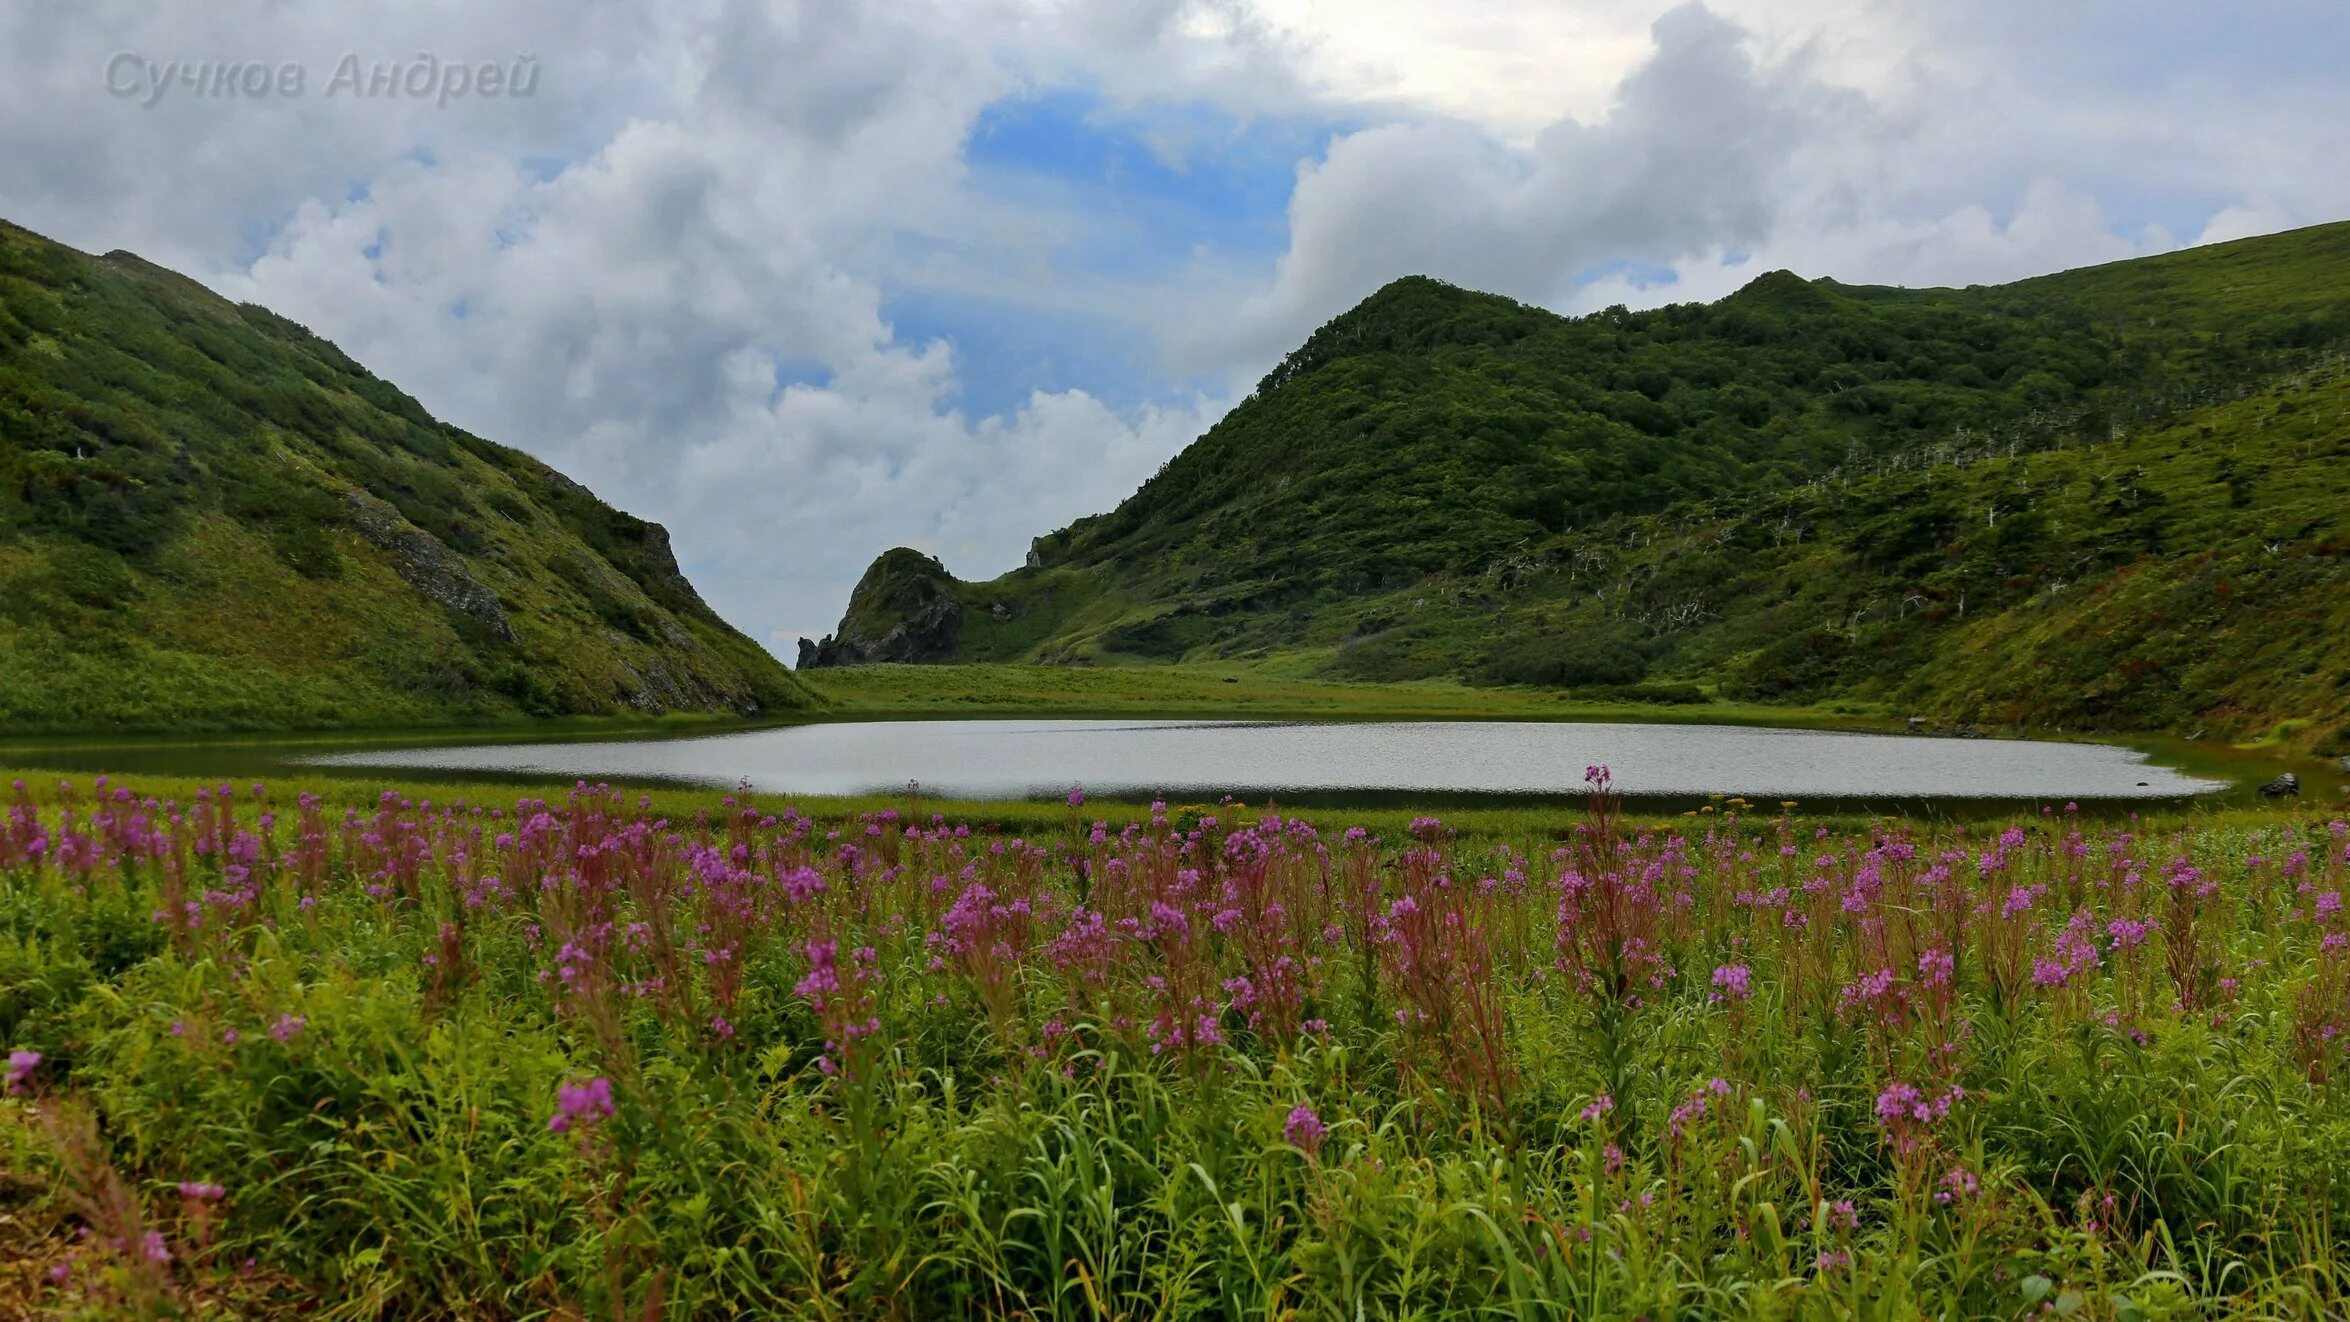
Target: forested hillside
<point>212,519</point>
<point>2110,498</point>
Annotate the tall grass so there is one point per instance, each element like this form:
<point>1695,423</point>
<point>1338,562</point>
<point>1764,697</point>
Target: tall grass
<point>585,1059</point>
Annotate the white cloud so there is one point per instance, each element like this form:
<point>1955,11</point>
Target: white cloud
<point>1691,155</point>
<point>2244,220</point>
<point>1515,68</point>
<point>2054,227</point>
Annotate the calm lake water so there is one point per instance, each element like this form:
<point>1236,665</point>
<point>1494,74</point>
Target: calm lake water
<point>1199,759</point>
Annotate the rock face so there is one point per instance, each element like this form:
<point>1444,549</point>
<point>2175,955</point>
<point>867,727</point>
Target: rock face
<point>2284,786</point>
<point>904,609</point>
<point>427,564</point>
<point>655,561</point>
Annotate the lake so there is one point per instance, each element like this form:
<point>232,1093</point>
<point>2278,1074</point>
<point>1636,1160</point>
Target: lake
<point>1191,759</point>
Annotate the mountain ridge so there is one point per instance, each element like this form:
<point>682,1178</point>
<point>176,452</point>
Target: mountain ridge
<point>1436,445</point>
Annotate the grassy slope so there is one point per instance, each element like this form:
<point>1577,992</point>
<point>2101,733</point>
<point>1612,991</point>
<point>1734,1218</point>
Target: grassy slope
<point>2193,575</point>
<point>177,550</point>
<point>2236,618</point>
<point>2011,505</point>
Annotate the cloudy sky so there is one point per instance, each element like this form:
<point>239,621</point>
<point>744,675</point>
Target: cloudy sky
<point>804,281</point>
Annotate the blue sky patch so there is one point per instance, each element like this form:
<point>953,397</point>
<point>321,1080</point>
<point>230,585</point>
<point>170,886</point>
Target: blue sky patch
<point>1134,195</point>
<point>1004,351</point>
<point>1638,274</point>
<point>1158,183</point>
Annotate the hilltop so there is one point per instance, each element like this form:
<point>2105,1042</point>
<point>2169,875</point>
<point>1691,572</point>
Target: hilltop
<point>212,519</point>
<point>2110,499</point>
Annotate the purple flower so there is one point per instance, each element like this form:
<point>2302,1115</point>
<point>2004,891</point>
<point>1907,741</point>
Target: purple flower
<point>287,1026</point>
<point>823,972</point>
<point>1904,1111</point>
<point>1735,980</point>
<point>581,1104</point>
<point>21,1065</point>
<point>1305,1129</point>
<point>1076,796</point>
<point>1899,1100</point>
<point>201,1192</point>
<point>1958,1186</point>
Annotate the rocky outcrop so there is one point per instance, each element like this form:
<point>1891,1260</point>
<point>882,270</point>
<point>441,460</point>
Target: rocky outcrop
<point>2283,787</point>
<point>427,564</point>
<point>653,564</point>
<point>661,564</point>
<point>904,609</point>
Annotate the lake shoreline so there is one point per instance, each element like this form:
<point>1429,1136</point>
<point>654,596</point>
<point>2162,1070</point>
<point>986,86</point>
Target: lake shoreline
<point>1333,763</point>
<point>923,694</point>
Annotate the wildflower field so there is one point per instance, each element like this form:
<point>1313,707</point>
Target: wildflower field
<point>599,1058</point>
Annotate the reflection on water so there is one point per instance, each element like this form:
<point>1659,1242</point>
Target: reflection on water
<point>1015,759</point>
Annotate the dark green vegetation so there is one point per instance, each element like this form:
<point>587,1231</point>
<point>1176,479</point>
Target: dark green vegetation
<point>212,519</point>
<point>2109,499</point>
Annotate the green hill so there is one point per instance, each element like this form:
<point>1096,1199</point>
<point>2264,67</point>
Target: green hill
<point>212,519</point>
<point>2112,498</point>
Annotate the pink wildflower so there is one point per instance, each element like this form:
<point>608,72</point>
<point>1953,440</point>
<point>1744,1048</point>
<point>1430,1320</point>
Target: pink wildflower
<point>581,1104</point>
<point>21,1065</point>
<point>1735,982</point>
<point>1305,1129</point>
